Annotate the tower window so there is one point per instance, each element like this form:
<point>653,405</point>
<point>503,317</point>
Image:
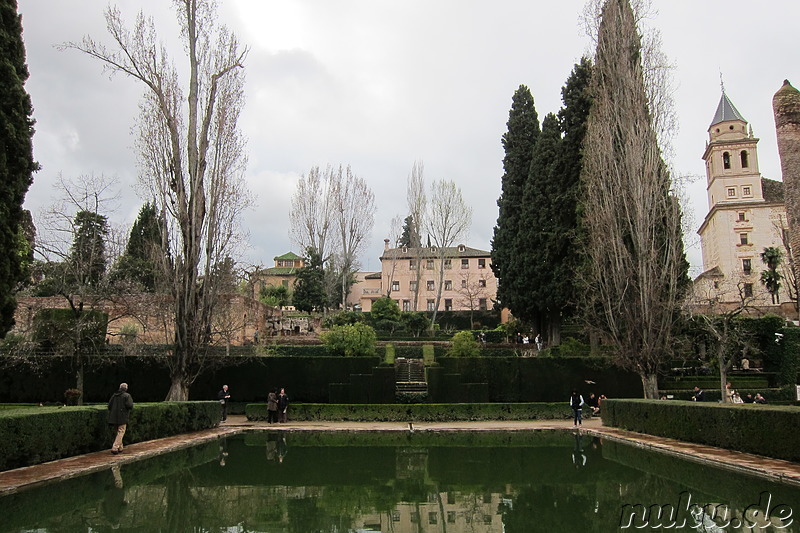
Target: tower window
<point>741,216</point>
<point>743,238</point>
<point>746,191</point>
<point>726,160</point>
<point>743,155</point>
<point>731,191</point>
<point>747,266</point>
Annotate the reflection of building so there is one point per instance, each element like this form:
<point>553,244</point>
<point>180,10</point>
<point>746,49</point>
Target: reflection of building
<point>410,276</point>
<point>444,511</point>
<point>746,214</point>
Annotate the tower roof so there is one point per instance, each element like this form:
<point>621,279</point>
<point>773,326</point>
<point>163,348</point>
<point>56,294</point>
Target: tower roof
<point>726,111</point>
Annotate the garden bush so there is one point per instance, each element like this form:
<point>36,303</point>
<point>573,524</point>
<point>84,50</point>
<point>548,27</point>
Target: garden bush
<point>766,430</point>
<point>351,340</point>
<point>33,435</point>
<point>420,412</point>
<point>464,345</point>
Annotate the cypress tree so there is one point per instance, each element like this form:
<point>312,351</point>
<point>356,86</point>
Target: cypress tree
<point>138,263</point>
<point>16,156</point>
<point>508,247</point>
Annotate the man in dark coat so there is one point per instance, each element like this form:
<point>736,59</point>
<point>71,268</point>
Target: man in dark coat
<point>224,396</point>
<point>119,410</point>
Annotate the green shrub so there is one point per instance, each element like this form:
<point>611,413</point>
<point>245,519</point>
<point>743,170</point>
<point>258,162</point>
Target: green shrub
<point>350,340</point>
<point>428,412</point>
<point>464,345</point>
<point>766,430</point>
<point>35,435</point>
<point>389,357</point>
<point>571,347</point>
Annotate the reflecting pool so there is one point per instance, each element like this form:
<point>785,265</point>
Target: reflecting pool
<point>302,482</point>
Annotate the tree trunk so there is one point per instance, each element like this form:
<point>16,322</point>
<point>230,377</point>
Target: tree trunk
<point>178,390</point>
<point>79,377</point>
<point>723,376</point>
<point>650,386</point>
<point>554,326</point>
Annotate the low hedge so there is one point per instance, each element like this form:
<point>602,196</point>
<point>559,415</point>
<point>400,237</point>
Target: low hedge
<point>767,430</point>
<point>35,435</point>
<point>441,412</point>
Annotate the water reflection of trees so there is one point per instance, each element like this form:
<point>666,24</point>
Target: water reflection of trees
<point>398,489</point>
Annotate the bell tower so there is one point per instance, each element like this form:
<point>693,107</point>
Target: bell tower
<point>731,158</point>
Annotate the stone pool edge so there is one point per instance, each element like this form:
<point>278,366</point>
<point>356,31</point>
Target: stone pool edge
<point>12,481</point>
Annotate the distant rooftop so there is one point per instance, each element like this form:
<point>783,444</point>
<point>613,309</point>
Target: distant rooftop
<point>726,111</point>
<point>288,255</point>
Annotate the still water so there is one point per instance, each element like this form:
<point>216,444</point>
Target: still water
<point>406,482</point>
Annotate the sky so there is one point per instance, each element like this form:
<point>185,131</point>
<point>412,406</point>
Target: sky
<point>378,85</point>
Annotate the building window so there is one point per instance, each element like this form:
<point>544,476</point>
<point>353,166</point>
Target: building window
<point>481,282</point>
<point>448,304</point>
<point>406,305</point>
<point>481,263</point>
<point>414,517</point>
<point>726,160</point>
<point>746,191</point>
<point>429,264</point>
<point>487,519</point>
<point>482,304</point>
<point>742,217</point>
<point>716,284</point>
<point>395,515</point>
<point>412,286</point>
<point>448,264</point>
<point>433,518</point>
<point>448,285</point>
<point>743,239</point>
<point>395,285</point>
<point>463,283</point>
<point>451,517</point>
<point>465,263</point>
<point>743,155</point>
<point>431,305</point>
<point>731,191</point>
<point>412,264</point>
<point>747,266</point>
<point>747,290</point>
<point>430,285</point>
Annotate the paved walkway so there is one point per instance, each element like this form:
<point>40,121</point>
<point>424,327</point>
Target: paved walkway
<point>21,478</point>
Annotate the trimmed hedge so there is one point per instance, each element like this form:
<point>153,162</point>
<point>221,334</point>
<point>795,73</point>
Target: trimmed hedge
<point>420,412</point>
<point>35,435</point>
<point>768,430</point>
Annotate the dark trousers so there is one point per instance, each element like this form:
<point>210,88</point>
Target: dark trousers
<point>578,414</point>
<point>224,411</point>
<point>273,416</point>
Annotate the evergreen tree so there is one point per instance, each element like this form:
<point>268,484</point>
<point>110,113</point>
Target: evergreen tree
<point>309,286</point>
<point>88,253</point>
<point>508,248</point>
<point>16,156</point>
<point>552,200</point>
<point>540,233</point>
<point>145,243</point>
<point>409,231</point>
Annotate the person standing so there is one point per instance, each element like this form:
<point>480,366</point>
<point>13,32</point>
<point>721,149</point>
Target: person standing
<point>119,409</point>
<point>272,407</point>
<point>538,341</point>
<point>698,395</point>
<point>576,403</point>
<point>283,405</point>
<point>224,396</point>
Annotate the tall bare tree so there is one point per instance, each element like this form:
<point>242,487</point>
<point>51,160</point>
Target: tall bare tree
<point>417,201</point>
<point>311,215</point>
<point>354,215</point>
<point>447,221</point>
<point>191,156</point>
<point>636,272</point>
